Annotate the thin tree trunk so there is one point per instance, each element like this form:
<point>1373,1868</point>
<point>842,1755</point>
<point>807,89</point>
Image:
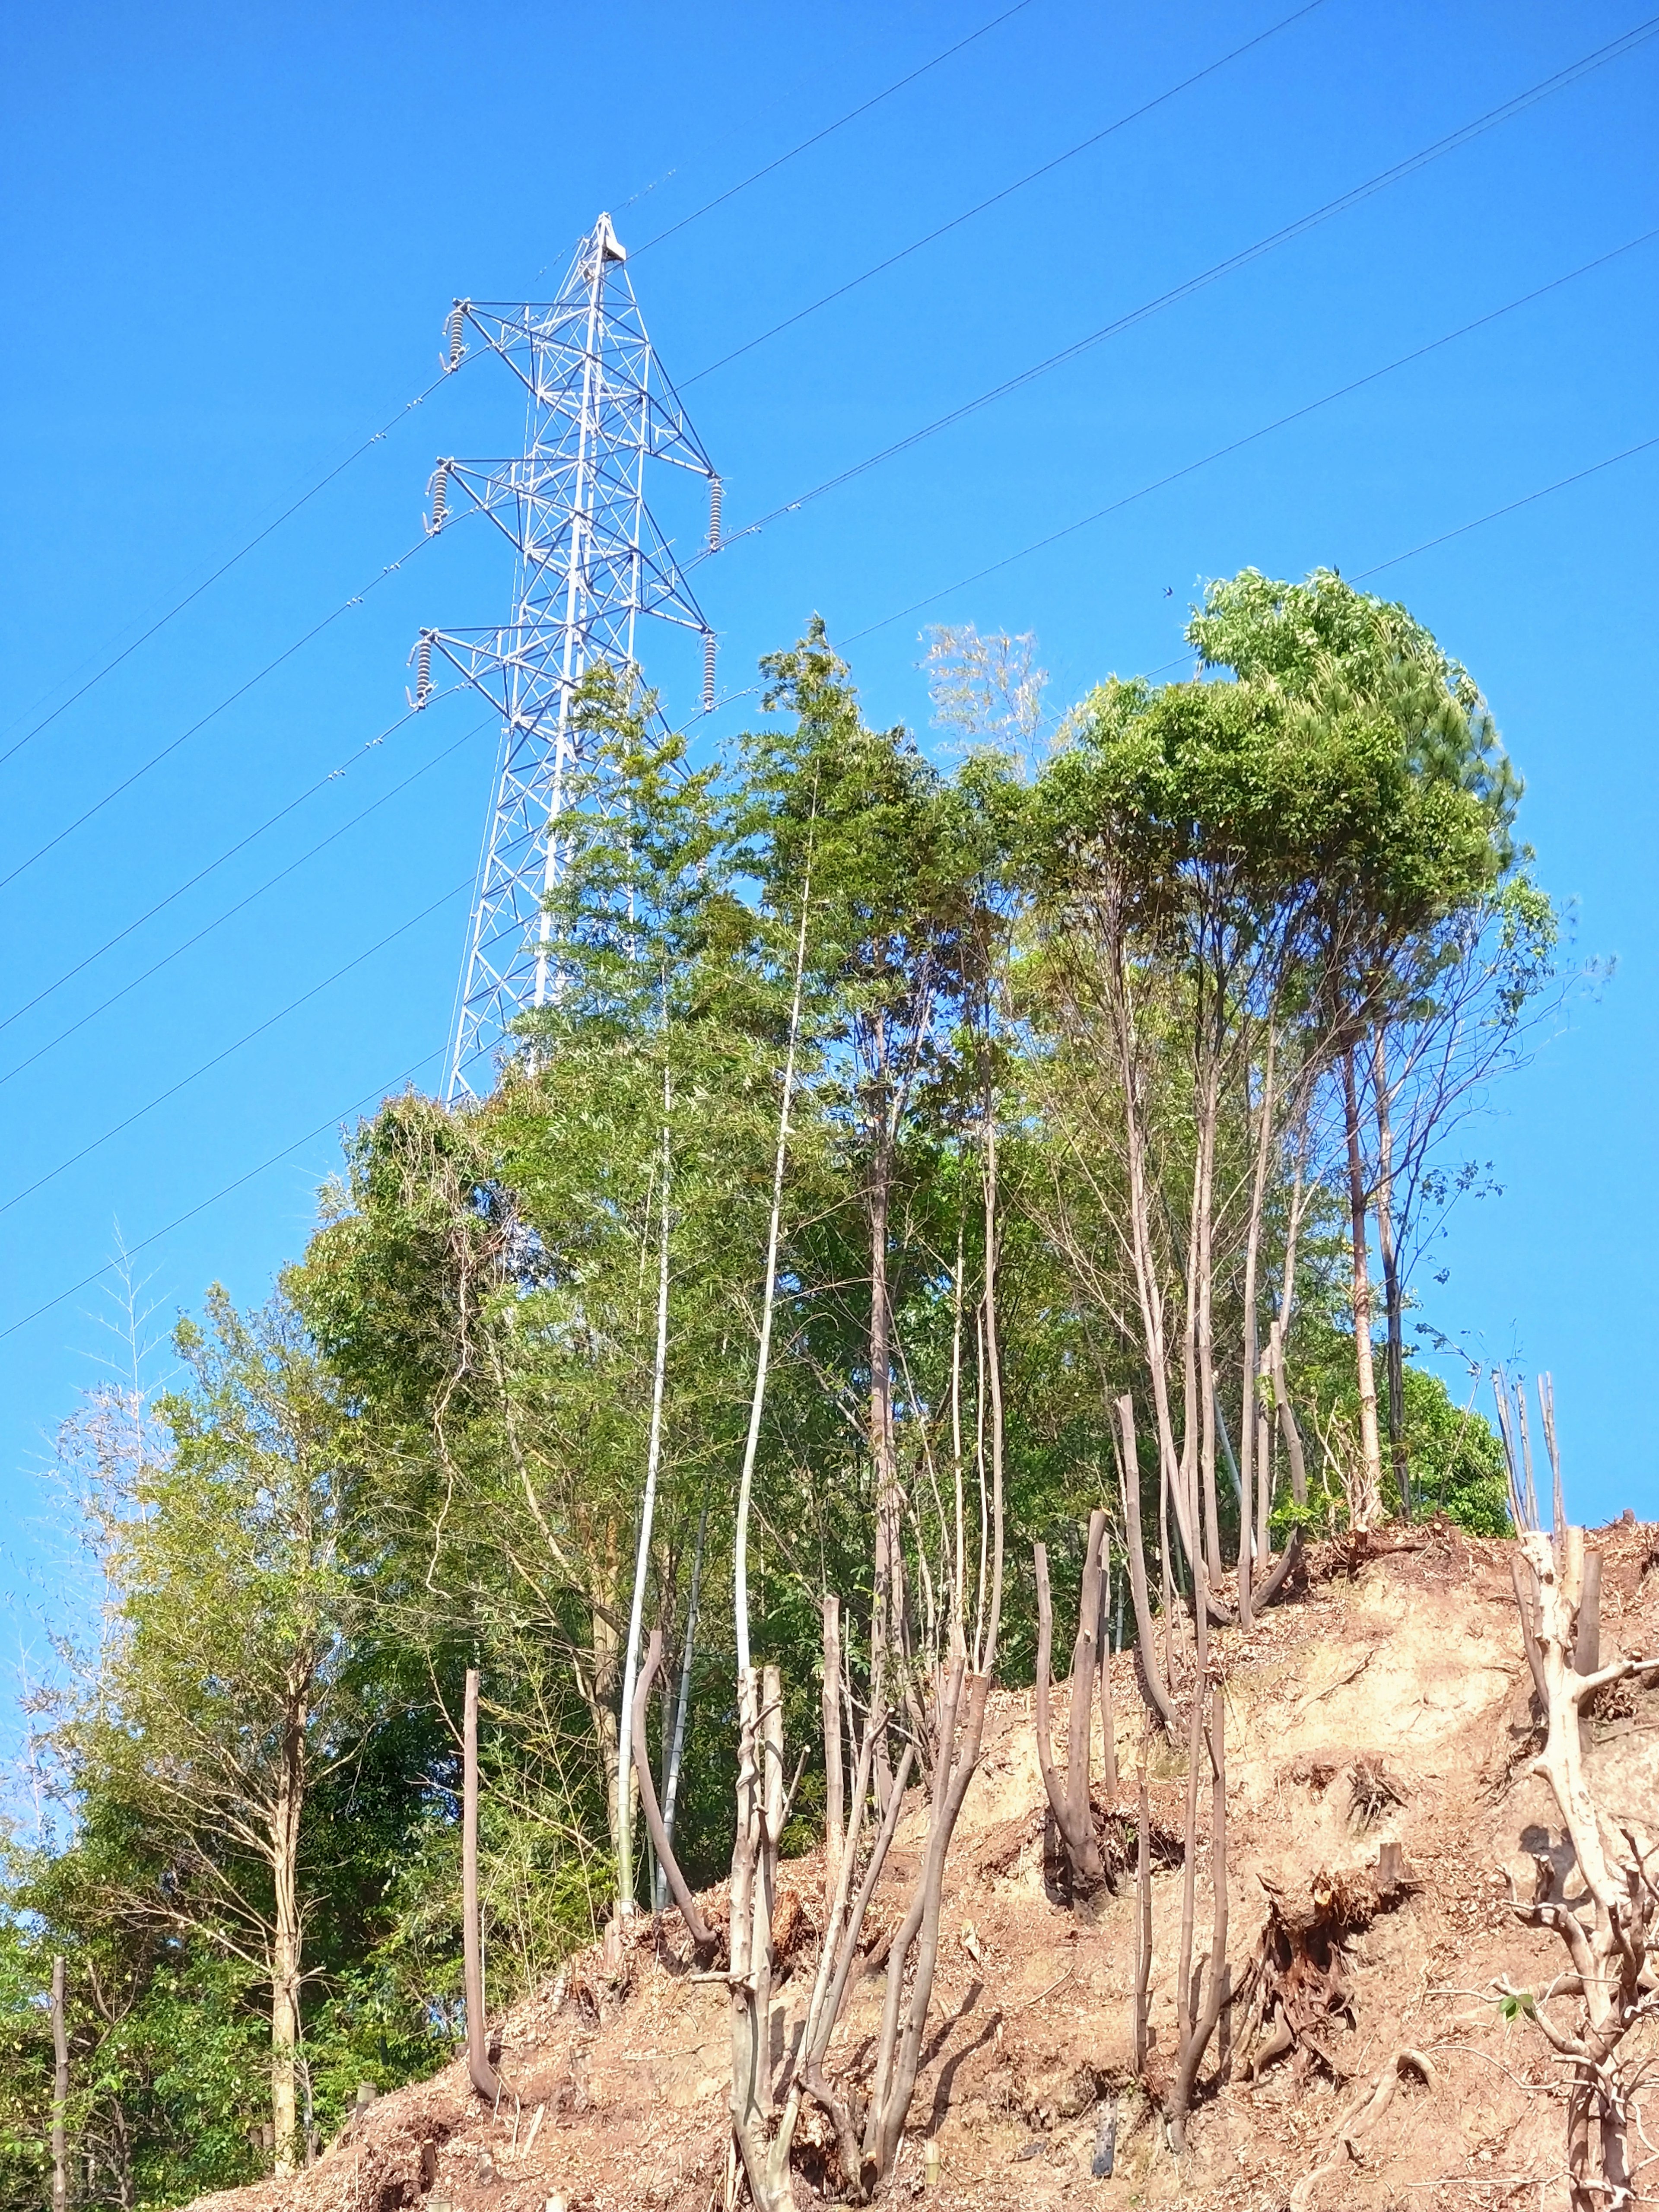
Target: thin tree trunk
<point>1365,1372</point>
<point>959,1571</point>
<point>668,1866</point>
<point>1108,1726</point>
<point>1070,1805</point>
<point>1085,1664</point>
<point>285,1959</point>
<point>1209,1106</point>
<point>994,1370</point>
<point>883,1451</point>
<point>1150,1672</point>
<point>1249,1471</point>
<point>754,1849</point>
<point>671,1788</point>
<point>1143,1915</point>
<point>1393,1289</point>
<point>60,2089</point>
<point>1287,1427</point>
<point>834,1787</point>
<point>479,2069</point>
<point>769,1301</point>
<point>1147,1289</point>
<point>647,1516</point>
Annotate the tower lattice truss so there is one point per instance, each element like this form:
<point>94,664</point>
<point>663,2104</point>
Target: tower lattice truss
<point>589,561</point>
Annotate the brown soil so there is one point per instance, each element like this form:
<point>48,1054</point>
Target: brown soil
<point>1385,1703</point>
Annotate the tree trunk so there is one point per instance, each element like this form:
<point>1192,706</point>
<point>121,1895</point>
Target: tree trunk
<point>1393,1289</point>
<point>1369,1444</point>
<point>1250,1472</point>
<point>670,1785</point>
<point>479,2069</point>
<point>1070,1806</point>
<point>1287,1428</point>
<point>624,1823</point>
<point>285,1959</point>
<point>834,1790</point>
<point>60,2087</point>
<point>1151,1675</point>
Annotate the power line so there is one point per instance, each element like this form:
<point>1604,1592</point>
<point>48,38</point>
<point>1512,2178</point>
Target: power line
<point>229,912</point>
<point>830,128</point>
<point>1527,499</point>
<point>1031,177</point>
<point>213,714</point>
<point>357,452</point>
<point>259,1029</point>
<point>385,1090</point>
<point>380,1090</point>
<point>1264,430</point>
<point>202,874</point>
<point>1615,50</point>
<point>223,569</point>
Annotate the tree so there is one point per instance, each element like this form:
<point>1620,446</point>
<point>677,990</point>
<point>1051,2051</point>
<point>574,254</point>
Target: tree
<point>1438,945</point>
<point>226,1690</point>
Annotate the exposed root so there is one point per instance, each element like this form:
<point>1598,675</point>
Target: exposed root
<point>1361,2118</point>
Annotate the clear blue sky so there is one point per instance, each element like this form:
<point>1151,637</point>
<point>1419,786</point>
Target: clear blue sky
<point>231,240</point>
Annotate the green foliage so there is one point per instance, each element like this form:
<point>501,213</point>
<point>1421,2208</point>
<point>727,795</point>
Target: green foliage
<point>429,1450</point>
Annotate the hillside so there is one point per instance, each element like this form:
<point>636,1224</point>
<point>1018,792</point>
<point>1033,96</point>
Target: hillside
<point>1385,1702</point>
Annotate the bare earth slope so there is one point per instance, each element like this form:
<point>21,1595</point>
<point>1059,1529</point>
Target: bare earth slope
<point>1385,1703</point>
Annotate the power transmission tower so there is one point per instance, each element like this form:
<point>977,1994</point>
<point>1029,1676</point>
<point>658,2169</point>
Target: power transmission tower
<point>589,560</point>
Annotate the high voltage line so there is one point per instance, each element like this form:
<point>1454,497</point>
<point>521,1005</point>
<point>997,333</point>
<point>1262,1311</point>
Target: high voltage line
<point>212,714</point>
<point>382,1091</point>
<point>1052,538</point>
<point>830,128</point>
<point>227,913</point>
<point>1613,51</point>
<point>1251,437</point>
<point>247,1037</point>
<point>223,569</point>
<point>1031,177</point>
<point>1559,80</point>
<point>189,882</point>
<point>376,437</point>
<point>379,1091</point>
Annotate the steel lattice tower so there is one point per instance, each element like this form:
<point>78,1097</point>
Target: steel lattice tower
<point>589,561</point>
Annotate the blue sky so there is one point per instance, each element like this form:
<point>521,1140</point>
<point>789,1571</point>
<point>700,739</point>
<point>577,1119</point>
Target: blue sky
<point>232,238</point>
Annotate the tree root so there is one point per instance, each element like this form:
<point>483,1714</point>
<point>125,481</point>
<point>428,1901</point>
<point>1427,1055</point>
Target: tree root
<point>1360,2119</point>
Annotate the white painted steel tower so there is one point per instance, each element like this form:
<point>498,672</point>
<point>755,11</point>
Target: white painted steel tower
<point>589,561</point>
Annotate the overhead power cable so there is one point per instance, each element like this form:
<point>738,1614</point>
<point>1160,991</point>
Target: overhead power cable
<point>333,1121</point>
<point>212,714</point>
<point>830,129</point>
<point>385,1090</point>
<point>1613,51</point>
<point>1509,507</point>
<point>375,438</point>
<point>228,914</point>
<point>982,207</point>
<point>224,567</point>
<point>246,1038</point>
<point>1263,430</point>
<point>202,874</point>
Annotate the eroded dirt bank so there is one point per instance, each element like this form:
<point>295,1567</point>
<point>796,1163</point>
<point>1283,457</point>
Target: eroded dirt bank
<point>1386,1704</point>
